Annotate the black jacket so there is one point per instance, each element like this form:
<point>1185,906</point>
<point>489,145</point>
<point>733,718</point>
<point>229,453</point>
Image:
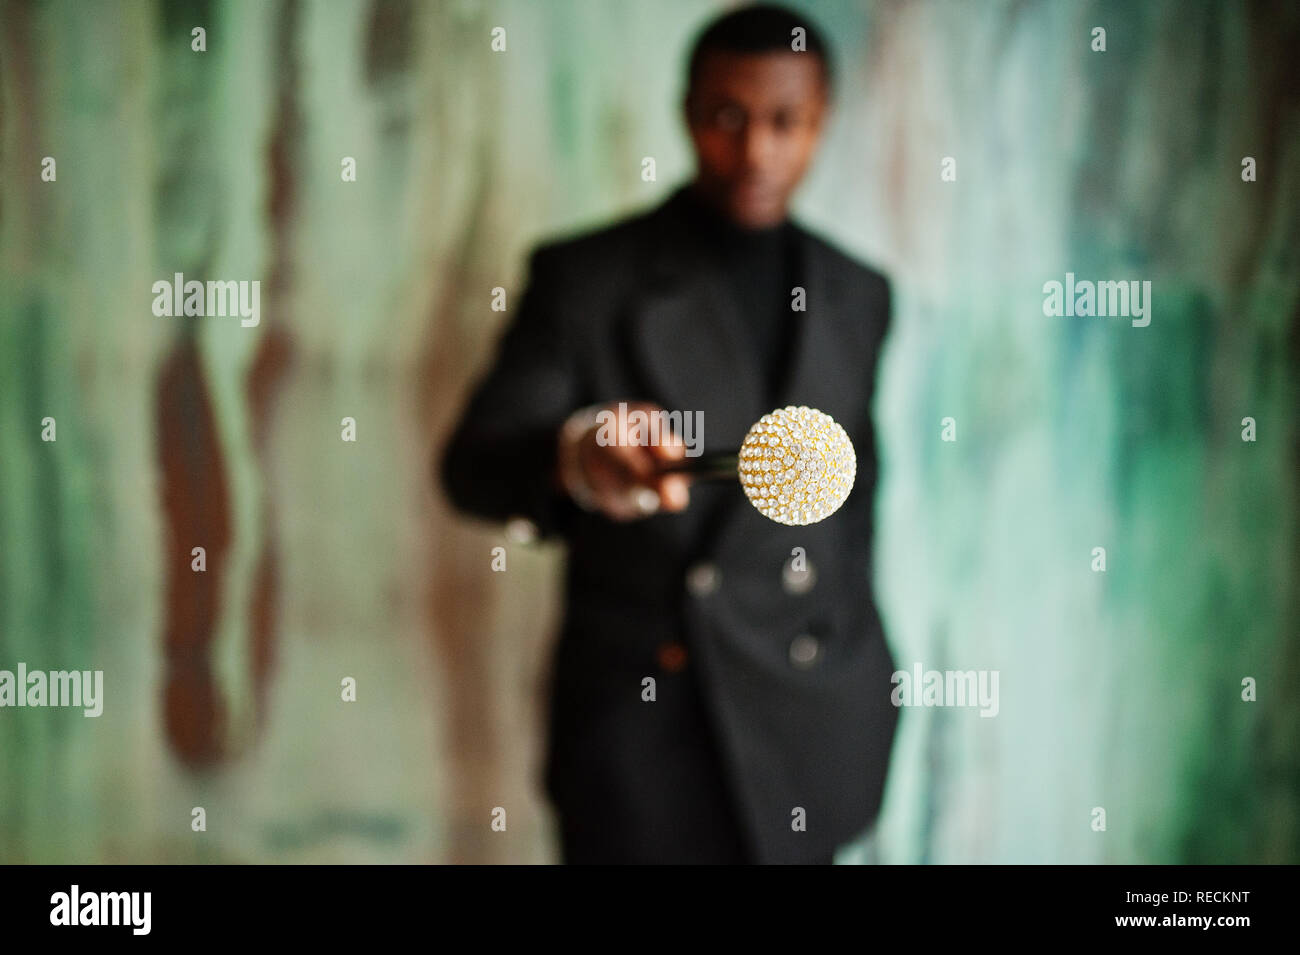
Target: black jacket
<point>794,668</point>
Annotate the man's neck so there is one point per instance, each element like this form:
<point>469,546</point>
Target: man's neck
<point>702,198</point>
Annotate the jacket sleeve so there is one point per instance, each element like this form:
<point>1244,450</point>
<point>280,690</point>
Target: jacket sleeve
<point>500,461</point>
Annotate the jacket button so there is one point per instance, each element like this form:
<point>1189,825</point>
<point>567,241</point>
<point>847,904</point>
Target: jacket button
<point>671,656</point>
<point>703,579</point>
<point>798,581</point>
<point>804,650</point>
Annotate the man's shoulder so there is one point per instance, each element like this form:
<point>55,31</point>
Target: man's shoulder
<point>845,266</point>
<point>591,247</point>
<point>862,291</point>
<point>587,254</point>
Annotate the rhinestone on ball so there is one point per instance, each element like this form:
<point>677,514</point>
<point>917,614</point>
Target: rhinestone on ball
<point>797,465</point>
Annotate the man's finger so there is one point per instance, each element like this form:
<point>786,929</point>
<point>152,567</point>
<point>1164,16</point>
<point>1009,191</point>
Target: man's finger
<point>618,467</point>
<point>671,448</point>
<point>674,492</point>
<point>636,461</point>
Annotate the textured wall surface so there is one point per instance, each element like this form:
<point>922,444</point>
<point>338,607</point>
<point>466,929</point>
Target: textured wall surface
<point>326,558</point>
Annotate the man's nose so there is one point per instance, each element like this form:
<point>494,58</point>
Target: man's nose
<point>759,144</point>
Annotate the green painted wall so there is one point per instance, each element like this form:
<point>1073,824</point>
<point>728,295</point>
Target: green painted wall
<point>327,559</point>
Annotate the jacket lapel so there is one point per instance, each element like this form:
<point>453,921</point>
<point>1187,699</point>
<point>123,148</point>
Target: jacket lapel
<point>689,344</point>
<point>826,372</point>
<point>688,337</point>
<point>821,373</point>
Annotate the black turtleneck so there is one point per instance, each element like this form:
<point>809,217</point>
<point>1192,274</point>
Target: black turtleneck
<point>758,266</point>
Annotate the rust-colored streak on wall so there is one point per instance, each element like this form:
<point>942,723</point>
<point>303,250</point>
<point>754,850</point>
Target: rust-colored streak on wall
<point>271,365</point>
<point>267,374</point>
<point>281,197</point>
<point>459,589</point>
<point>196,511</point>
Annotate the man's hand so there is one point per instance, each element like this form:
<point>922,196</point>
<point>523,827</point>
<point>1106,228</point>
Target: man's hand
<point>603,471</point>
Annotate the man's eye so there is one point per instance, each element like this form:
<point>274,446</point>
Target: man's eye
<point>783,121</point>
<point>729,118</point>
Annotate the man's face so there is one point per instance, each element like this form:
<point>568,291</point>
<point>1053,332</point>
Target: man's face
<point>755,120</point>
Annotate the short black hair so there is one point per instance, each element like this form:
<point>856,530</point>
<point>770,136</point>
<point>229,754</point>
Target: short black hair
<point>758,28</point>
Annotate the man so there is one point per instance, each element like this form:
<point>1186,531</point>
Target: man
<point>720,690</point>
